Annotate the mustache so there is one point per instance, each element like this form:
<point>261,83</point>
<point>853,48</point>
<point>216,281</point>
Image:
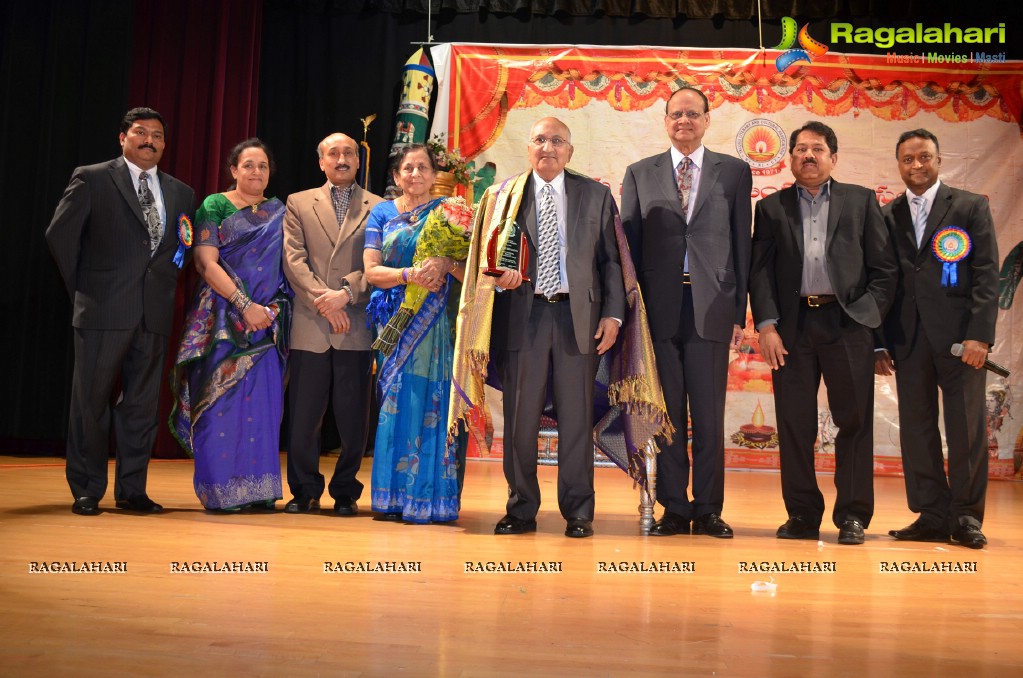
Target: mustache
<point>149,146</point>
<point>343,167</point>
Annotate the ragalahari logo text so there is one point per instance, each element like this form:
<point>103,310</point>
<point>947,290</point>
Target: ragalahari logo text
<point>809,49</point>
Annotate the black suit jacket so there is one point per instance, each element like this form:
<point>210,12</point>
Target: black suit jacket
<point>100,241</point>
<point>596,288</point>
<point>860,261</point>
<point>948,315</point>
<point>717,240</point>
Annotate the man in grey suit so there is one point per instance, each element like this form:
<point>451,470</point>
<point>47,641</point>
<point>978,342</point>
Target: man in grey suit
<point>113,236</point>
<point>555,324</point>
<point>822,278</point>
<point>324,232</point>
<point>932,311</point>
<point>687,214</point>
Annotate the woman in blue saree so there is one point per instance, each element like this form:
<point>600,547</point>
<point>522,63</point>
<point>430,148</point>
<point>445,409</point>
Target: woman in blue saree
<point>415,470</point>
<point>228,375</point>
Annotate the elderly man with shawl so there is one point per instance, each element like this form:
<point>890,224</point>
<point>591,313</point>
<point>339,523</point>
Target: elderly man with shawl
<point>548,322</point>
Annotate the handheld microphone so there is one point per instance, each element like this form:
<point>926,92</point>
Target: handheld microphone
<point>957,351</point>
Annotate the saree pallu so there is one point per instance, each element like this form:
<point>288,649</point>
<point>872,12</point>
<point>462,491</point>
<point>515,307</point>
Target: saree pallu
<point>228,384</point>
<point>415,470</point>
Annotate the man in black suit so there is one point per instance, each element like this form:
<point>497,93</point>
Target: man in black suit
<point>931,312</point>
<point>556,324</point>
<point>687,214</point>
<point>822,278</point>
<point>113,236</point>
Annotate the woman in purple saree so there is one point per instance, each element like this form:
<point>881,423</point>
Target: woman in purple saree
<point>228,375</point>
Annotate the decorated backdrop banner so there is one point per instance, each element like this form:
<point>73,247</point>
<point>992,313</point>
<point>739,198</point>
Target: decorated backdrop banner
<point>613,100</point>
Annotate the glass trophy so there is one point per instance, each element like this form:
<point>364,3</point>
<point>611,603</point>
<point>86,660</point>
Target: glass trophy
<point>507,250</point>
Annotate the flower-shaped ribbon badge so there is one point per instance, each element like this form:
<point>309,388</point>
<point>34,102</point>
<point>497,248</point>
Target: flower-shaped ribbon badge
<point>184,239</point>
<point>951,245</point>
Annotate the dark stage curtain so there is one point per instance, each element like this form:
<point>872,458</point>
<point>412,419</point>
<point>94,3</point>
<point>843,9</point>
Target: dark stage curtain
<point>64,74</point>
<point>197,62</point>
<point>69,71</point>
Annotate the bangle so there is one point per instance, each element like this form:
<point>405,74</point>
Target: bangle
<point>405,275</point>
<point>240,300</point>
<point>400,276</point>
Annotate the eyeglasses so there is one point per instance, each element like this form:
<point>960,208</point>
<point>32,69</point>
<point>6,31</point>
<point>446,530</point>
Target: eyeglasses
<point>556,142</point>
<point>692,115</point>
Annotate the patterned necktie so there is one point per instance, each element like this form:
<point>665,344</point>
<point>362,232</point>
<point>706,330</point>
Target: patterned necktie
<point>920,220</point>
<point>549,259</point>
<point>685,184</point>
<point>341,198</point>
<point>150,212</point>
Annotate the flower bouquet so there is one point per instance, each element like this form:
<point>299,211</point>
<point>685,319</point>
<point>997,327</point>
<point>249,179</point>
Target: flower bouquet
<point>446,233</point>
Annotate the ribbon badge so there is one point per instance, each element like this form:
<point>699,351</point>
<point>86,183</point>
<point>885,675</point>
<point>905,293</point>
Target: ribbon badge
<point>951,245</point>
<point>184,239</point>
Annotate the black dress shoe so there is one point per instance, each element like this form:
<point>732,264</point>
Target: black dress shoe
<point>669,525</point>
<point>969,536</point>
<point>140,503</point>
<point>345,506</point>
<point>920,531</point>
<point>512,525</point>
<point>86,506</point>
<point>851,532</point>
<point>302,505</point>
<point>711,525</point>
<point>798,527</point>
<point>578,528</point>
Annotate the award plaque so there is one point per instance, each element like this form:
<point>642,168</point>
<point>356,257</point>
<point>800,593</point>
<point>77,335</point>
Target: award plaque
<point>507,250</point>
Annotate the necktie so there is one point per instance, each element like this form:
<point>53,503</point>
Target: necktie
<point>150,212</point>
<point>685,184</point>
<point>920,219</point>
<point>549,260</point>
<point>341,198</point>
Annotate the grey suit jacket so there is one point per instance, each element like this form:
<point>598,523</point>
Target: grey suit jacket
<point>596,288</point>
<point>100,242</point>
<point>948,315</point>
<point>860,261</point>
<point>717,240</point>
<point>318,254</point>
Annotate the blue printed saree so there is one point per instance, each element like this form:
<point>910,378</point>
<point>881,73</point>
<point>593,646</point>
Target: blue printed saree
<point>228,384</point>
<point>415,470</point>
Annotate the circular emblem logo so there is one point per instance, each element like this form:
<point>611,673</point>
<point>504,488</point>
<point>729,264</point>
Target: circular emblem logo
<point>761,143</point>
<point>951,244</point>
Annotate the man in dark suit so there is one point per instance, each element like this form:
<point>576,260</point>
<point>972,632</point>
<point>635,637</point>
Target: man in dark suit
<point>114,235</point>
<point>931,312</point>
<point>822,278</point>
<point>556,324</point>
<point>330,358</point>
<point>687,214</point>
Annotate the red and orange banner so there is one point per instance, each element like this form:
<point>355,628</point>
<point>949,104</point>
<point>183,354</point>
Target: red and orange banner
<point>612,99</point>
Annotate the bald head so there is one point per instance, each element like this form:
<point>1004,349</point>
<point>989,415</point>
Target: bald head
<point>339,159</point>
<point>550,147</point>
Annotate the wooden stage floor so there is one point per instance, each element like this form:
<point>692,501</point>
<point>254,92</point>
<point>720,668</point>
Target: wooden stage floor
<point>296,619</point>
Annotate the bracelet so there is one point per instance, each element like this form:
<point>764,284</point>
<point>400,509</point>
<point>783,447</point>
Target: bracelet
<point>400,276</point>
<point>405,275</point>
<point>240,300</point>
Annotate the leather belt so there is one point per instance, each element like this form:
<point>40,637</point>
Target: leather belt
<point>818,300</point>
<point>686,280</point>
<point>560,296</point>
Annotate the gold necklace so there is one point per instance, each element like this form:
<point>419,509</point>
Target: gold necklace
<point>253,206</point>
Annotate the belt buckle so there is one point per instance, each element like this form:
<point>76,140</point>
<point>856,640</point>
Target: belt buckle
<point>813,301</point>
